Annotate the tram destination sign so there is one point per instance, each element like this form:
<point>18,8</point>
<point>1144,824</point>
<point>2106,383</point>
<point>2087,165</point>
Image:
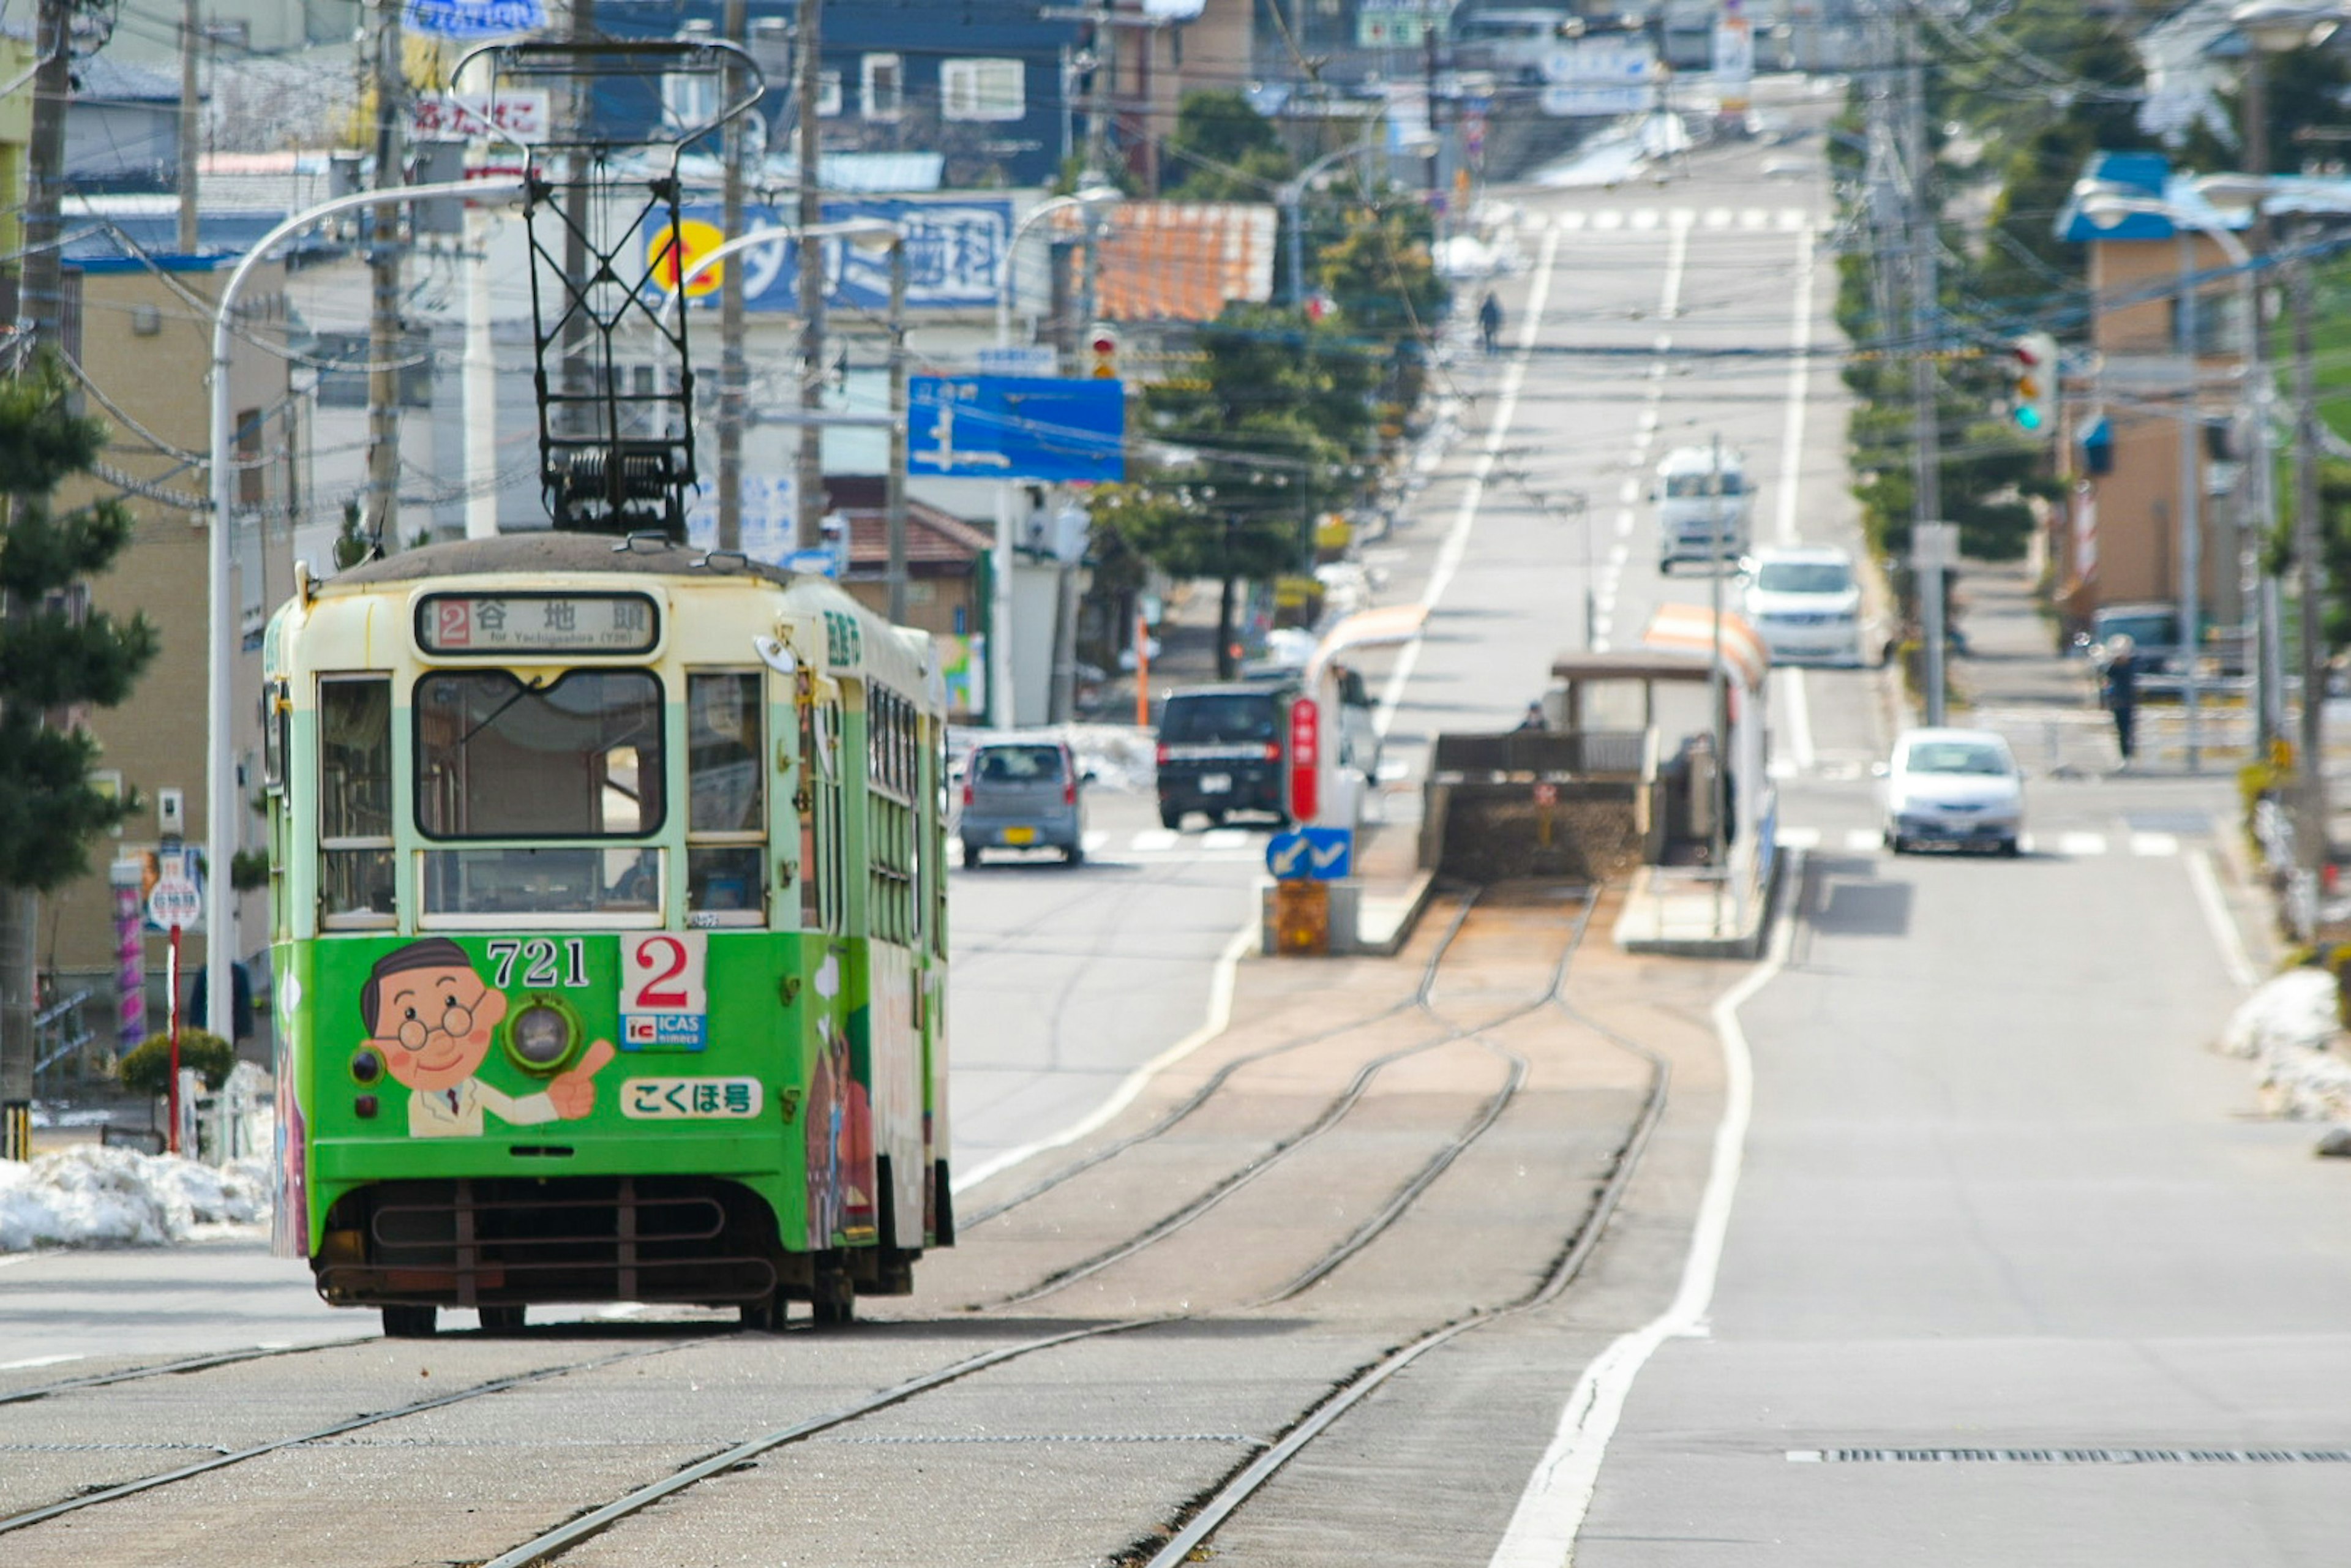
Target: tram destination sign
<point>490,625</point>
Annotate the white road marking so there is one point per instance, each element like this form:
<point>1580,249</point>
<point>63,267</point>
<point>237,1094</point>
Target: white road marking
<point>1610,219</point>
<point>1221,1014</point>
<point>1629,491</point>
<point>1753,219</point>
<point>1618,555</point>
<point>1153,838</point>
<point>1574,218</point>
<point>2155,844</point>
<point>1645,218</point>
<point>1095,839</point>
<point>1793,219</point>
<point>1718,217</point>
<point>1798,703</point>
<point>1682,217</point>
<point>1861,841</point>
<point>31,1361</point>
<point>1624,523</point>
<point>1225,839</point>
<point>1543,1529</point>
<point>1456,538</point>
<point>2081,843</point>
<point>1799,380</point>
<point>1800,838</point>
<point>2225,934</point>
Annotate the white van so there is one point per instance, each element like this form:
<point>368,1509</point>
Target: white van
<point>1703,515</point>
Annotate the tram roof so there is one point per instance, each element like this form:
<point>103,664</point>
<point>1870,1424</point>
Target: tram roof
<point>548,552</point>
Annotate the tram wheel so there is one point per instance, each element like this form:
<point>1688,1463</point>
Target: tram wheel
<point>409,1322</point>
<point>502,1320</point>
<point>833,1300</point>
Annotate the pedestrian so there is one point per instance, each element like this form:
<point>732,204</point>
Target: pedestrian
<point>1535,717</point>
<point>1490,322</point>
<point>2118,690</point>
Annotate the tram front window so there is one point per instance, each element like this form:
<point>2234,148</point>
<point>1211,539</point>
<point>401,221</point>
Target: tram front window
<point>576,758</point>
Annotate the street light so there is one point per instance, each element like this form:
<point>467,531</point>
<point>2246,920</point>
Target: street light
<point>221,805</point>
<point>1291,193</point>
<point>1090,197</point>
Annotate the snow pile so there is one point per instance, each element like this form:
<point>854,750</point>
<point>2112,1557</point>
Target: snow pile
<point>2287,1027</point>
<point>90,1194</point>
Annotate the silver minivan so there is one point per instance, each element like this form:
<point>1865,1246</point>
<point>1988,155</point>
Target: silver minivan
<point>1022,795</point>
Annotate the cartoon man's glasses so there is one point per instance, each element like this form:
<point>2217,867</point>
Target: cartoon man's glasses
<point>456,1022</point>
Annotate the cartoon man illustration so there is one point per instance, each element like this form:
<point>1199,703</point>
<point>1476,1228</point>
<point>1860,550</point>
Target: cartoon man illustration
<point>433,1017</point>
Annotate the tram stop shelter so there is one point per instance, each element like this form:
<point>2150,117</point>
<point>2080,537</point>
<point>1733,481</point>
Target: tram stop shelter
<point>1625,780</point>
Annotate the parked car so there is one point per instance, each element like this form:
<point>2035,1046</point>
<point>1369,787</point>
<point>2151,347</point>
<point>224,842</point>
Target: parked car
<point>1023,795</point>
<point>1956,787</point>
<point>1221,752</point>
<point>1805,603</point>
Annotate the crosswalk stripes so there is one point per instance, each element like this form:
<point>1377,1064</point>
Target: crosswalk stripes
<point>2073,844</point>
<point>1648,219</point>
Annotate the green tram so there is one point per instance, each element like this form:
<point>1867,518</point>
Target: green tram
<point>608,912</point>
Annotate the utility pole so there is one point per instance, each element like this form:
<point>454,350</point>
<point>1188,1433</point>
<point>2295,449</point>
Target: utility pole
<point>1097,157</point>
<point>809,529</point>
<point>578,216</point>
<point>2192,524</point>
<point>191,123</point>
<point>43,276</point>
<point>384,269</point>
<point>2310,761</point>
<point>43,303</point>
<point>2260,464</point>
<point>1926,456</point>
<point>897,479</point>
<point>732,372</point>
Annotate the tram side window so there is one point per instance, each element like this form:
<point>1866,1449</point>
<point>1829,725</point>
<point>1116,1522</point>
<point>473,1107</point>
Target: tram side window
<point>726,853</point>
<point>355,845</point>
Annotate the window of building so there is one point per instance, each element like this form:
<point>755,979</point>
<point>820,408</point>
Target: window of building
<point>983,89</point>
<point>884,91</point>
<point>828,94</point>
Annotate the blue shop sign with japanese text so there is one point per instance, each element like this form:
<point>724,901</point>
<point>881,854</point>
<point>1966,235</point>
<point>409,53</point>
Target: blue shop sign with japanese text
<point>474,18</point>
<point>1058,429</point>
<point>954,253</point>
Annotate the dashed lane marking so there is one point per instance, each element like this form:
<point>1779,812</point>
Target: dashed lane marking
<point>2154,844</point>
<point>2081,843</point>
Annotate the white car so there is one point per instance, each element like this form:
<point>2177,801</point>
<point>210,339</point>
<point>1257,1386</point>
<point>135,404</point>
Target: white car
<point>1805,603</point>
<point>1956,786</point>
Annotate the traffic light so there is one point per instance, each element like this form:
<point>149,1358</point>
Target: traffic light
<point>1102,352</point>
<point>2033,406</point>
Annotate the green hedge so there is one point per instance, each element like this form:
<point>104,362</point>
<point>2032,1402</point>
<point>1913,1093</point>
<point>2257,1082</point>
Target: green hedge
<point>148,1066</point>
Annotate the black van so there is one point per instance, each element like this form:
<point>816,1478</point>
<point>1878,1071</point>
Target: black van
<point>1221,750</point>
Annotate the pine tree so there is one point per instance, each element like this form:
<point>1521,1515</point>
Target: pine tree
<point>56,656</point>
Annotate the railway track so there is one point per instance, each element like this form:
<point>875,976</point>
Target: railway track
<point>1332,1114</point>
<point>1200,1522</point>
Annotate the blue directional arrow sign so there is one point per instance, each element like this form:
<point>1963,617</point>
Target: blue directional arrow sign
<point>1311,854</point>
<point>1054,428</point>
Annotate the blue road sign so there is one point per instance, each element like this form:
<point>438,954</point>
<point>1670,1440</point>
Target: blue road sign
<point>1058,429</point>
<point>1311,854</point>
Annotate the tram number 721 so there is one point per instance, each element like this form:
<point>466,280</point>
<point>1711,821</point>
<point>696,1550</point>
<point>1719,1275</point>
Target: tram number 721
<point>537,956</point>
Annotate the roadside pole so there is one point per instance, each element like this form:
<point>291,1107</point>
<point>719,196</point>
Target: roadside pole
<point>1933,546</point>
<point>1718,845</point>
<point>2191,527</point>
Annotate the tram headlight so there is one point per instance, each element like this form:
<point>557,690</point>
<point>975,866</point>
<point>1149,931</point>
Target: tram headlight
<point>543,1035</point>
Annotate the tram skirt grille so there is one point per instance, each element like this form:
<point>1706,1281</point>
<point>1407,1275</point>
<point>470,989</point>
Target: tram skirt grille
<point>495,1242</point>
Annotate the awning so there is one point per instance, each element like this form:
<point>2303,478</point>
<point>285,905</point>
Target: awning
<point>1690,628</point>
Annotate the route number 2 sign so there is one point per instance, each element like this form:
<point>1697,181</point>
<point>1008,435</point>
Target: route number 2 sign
<point>664,1001</point>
